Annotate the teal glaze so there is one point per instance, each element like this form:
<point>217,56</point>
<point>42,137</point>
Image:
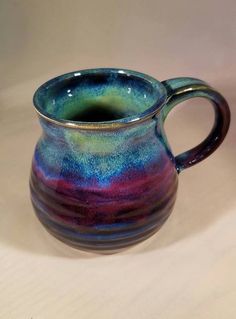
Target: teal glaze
<point>131,95</point>
<point>103,174</point>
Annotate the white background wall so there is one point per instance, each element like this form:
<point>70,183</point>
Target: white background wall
<point>162,38</point>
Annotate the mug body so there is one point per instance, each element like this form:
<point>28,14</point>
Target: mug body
<point>103,176</point>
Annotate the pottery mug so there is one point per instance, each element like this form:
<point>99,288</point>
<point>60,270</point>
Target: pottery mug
<point>103,174</point>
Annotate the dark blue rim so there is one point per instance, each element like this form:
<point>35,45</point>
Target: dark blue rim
<point>149,112</point>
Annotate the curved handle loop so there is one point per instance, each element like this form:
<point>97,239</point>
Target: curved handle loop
<point>181,89</point>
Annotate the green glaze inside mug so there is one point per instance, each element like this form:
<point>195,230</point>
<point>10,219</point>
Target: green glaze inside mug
<point>103,174</point>
<point>100,95</point>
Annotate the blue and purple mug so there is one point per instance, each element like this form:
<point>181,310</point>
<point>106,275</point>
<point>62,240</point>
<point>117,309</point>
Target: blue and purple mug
<point>103,174</point>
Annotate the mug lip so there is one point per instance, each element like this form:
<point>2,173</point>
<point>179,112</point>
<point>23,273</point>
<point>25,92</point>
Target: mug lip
<point>151,111</point>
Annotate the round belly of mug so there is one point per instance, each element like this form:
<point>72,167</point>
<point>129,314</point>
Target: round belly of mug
<point>104,219</point>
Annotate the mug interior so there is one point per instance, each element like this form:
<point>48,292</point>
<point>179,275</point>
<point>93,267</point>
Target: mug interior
<point>99,95</point>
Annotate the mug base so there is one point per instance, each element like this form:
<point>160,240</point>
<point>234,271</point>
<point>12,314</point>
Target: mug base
<point>105,248</point>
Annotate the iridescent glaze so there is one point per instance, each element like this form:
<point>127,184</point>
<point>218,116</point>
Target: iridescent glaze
<point>103,175</point>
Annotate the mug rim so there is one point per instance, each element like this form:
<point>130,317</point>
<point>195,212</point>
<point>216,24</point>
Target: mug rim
<point>151,111</point>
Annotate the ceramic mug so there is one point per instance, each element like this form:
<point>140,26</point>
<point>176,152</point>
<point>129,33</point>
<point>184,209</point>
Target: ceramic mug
<point>103,174</point>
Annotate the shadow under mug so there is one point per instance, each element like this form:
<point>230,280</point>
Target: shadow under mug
<point>103,174</point>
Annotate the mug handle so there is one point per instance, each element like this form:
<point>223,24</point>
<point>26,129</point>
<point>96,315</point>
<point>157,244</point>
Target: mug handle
<point>182,89</point>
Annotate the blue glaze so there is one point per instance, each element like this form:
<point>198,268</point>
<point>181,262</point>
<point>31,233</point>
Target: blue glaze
<point>103,174</point>
<point>132,93</point>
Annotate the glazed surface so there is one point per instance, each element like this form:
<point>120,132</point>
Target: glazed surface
<point>103,190</point>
